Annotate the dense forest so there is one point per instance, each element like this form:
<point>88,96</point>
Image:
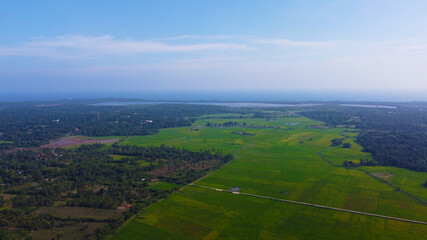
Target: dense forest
<point>394,136</point>
<point>32,124</point>
<point>94,176</point>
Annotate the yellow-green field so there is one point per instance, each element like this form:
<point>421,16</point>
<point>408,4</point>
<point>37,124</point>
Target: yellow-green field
<point>282,163</point>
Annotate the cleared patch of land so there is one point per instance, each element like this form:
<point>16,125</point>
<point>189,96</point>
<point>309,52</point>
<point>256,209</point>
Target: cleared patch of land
<point>76,141</point>
<point>80,212</point>
<point>68,232</point>
<point>384,175</point>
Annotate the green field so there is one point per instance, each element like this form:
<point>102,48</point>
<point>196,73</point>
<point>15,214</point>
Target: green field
<point>203,214</point>
<point>261,122</point>
<point>282,163</point>
<point>163,186</point>
<point>227,115</point>
<point>338,154</point>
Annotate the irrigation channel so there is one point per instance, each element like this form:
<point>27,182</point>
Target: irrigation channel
<point>311,205</point>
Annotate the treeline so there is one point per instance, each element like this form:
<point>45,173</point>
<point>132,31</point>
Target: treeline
<point>227,124</point>
<point>362,162</point>
<point>18,219</point>
<point>30,125</point>
<point>396,137</point>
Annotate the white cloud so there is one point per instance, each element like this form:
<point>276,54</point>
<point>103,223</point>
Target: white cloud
<point>83,47</point>
<point>289,43</point>
<point>201,37</point>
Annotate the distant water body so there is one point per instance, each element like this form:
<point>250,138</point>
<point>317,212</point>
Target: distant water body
<point>227,104</point>
<point>367,106</point>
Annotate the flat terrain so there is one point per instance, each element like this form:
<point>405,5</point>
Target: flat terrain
<point>80,212</point>
<point>68,232</point>
<point>75,141</point>
<point>281,161</point>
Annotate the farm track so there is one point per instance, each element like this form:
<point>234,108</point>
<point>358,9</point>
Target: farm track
<point>311,205</point>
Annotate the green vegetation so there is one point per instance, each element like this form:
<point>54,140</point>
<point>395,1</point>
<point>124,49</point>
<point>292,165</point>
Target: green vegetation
<point>339,155</point>
<point>243,133</point>
<point>394,137</point>
<point>259,122</point>
<point>54,188</point>
<point>283,163</point>
<point>204,214</point>
<point>164,186</point>
<point>30,125</point>
<point>227,115</point>
<point>80,212</point>
<point>68,189</point>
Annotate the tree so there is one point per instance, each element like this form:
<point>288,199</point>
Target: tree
<point>346,145</point>
<point>336,142</point>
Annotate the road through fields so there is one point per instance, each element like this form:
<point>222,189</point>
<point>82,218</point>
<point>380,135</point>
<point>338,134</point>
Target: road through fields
<point>311,205</point>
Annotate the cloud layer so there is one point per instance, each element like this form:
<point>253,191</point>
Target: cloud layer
<point>214,62</point>
<point>75,46</point>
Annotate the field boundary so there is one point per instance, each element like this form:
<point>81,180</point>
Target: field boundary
<point>396,188</point>
<point>311,205</point>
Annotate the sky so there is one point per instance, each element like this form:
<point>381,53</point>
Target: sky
<point>295,45</point>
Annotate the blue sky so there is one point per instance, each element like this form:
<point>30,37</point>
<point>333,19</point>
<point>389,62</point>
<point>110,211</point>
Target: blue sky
<point>326,45</point>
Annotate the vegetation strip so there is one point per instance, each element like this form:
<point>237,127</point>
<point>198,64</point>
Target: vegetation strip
<point>311,205</point>
<point>375,177</point>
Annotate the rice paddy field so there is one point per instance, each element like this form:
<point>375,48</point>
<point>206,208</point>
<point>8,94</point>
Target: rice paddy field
<point>281,161</point>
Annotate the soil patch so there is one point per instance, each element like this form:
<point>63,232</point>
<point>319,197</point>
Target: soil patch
<point>383,175</point>
<point>81,212</point>
<point>75,141</point>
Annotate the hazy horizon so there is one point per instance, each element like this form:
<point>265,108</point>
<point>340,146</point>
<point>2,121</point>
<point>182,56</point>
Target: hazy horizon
<point>224,46</point>
<point>289,96</point>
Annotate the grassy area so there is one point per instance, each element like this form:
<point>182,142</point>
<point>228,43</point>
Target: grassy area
<point>227,115</point>
<point>407,180</point>
<point>135,229</point>
<point>203,214</point>
<point>280,163</point>
<point>163,186</point>
<point>74,231</point>
<point>338,154</point>
<point>260,122</point>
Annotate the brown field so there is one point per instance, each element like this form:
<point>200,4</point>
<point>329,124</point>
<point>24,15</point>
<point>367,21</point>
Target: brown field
<point>77,141</point>
<point>71,232</point>
<point>384,175</point>
<point>80,212</point>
